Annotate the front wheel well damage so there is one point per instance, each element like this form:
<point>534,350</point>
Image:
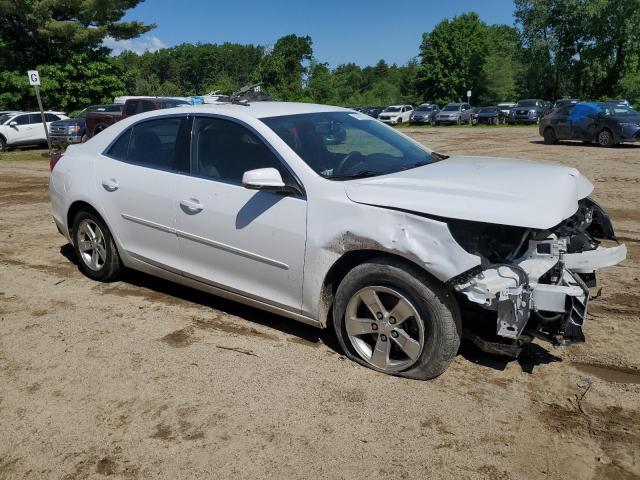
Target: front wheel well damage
<point>344,265</point>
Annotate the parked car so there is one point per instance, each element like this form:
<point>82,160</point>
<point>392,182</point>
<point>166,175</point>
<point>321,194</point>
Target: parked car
<point>473,114</point>
<point>386,237</point>
<point>425,113</point>
<point>73,130</point>
<point>605,123</point>
<point>488,115</point>
<point>526,111</point>
<point>96,122</point>
<point>373,111</point>
<point>25,128</point>
<point>453,113</point>
<point>565,101</point>
<point>505,108</point>
<point>396,114</point>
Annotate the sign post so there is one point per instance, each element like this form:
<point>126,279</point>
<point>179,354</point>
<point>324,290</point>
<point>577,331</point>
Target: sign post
<point>34,79</point>
<point>469,97</point>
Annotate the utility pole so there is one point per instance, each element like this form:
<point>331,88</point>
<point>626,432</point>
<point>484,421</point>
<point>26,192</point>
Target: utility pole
<point>34,79</point>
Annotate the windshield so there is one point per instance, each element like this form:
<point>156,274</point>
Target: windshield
<point>392,109</point>
<point>612,110</point>
<point>489,110</point>
<point>4,118</point>
<point>342,146</point>
<point>526,103</point>
<point>424,108</point>
<point>451,108</point>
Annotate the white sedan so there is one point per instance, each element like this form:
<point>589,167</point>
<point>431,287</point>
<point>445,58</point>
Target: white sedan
<point>326,216</point>
<point>19,129</point>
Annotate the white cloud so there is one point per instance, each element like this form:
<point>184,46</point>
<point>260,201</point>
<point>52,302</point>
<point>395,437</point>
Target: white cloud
<point>138,45</point>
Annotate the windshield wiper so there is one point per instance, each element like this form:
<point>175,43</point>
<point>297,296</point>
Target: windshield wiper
<point>359,174</point>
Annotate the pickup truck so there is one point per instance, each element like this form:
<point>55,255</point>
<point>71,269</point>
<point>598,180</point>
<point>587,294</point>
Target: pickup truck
<point>73,130</point>
<point>98,121</point>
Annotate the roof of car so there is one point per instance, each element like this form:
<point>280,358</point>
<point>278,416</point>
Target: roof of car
<point>261,109</point>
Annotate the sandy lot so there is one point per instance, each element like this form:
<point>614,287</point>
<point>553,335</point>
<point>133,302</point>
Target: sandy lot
<point>144,379</point>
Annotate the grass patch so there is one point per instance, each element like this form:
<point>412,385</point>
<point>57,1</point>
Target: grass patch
<point>25,154</point>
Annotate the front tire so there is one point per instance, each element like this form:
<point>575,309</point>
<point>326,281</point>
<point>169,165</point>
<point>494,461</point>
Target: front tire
<point>605,138</point>
<point>95,249</point>
<point>3,145</point>
<point>394,318</point>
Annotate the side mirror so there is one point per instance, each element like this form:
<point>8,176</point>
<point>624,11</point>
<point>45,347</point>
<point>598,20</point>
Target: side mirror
<point>13,124</point>
<point>264,179</point>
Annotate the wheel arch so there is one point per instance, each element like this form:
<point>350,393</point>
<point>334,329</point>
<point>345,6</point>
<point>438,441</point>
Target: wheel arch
<point>343,265</point>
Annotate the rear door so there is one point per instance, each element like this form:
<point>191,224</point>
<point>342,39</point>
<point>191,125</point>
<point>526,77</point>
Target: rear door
<point>136,183</point>
<point>246,241</point>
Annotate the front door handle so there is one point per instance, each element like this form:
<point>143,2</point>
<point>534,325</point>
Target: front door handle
<point>191,205</point>
<point>110,185</point>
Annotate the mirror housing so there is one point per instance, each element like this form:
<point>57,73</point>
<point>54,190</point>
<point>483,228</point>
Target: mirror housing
<point>13,124</point>
<point>266,179</point>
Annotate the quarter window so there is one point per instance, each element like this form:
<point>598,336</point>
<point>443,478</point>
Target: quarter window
<point>224,150</point>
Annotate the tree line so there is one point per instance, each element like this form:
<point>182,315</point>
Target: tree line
<point>556,48</point>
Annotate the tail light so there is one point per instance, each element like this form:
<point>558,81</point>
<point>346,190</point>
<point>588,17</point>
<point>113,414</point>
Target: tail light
<point>55,157</point>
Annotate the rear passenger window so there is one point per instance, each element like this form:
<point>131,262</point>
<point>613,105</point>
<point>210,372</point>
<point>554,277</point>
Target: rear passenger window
<point>155,143</point>
<point>147,106</point>
<point>224,150</point>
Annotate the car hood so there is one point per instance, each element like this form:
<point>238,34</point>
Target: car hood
<point>452,112</point>
<point>390,114</point>
<point>483,189</point>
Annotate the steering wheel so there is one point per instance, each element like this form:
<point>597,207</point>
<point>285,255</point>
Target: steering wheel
<point>345,162</point>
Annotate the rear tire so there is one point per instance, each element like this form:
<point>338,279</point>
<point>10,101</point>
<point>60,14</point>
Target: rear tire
<point>550,136</point>
<point>94,247</point>
<point>420,346</point>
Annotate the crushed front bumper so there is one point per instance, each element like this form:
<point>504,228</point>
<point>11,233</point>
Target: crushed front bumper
<point>544,293</point>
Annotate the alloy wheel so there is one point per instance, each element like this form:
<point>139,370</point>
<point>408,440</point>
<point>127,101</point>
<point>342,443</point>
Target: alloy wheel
<point>384,328</point>
<point>92,245</point>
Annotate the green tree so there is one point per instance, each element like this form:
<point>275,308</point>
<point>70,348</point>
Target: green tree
<point>582,48</point>
<point>452,58</point>
<point>47,32</point>
<point>283,70</point>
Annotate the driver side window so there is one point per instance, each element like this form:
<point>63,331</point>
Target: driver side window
<point>223,150</point>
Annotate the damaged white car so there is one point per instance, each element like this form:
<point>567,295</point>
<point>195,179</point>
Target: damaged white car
<point>329,217</point>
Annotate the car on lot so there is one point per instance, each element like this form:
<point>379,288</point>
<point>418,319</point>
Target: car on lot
<point>453,114</point>
<point>73,130</point>
<point>373,111</point>
<point>526,111</point>
<point>20,129</point>
<point>504,109</point>
<point>605,123</point>
<point>396,114</point>
<point>473,115</point>
<point>371,233</point>
<point>424,113</point>
<point>564,101</point>
<point>96,121</point>
<point>488,116</point>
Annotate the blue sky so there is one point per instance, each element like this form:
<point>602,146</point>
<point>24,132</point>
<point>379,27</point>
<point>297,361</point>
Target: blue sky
<point>342,30</point>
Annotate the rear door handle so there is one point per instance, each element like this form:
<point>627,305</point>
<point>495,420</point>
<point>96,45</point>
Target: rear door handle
<point>110,185</point>
<point>191,205</point>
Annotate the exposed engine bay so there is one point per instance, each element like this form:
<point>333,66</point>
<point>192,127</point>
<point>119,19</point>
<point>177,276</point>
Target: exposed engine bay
<point>537,281</point>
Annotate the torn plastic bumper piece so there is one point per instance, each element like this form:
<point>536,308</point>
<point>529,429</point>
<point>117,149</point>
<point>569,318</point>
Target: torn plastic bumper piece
<point>513,291</point>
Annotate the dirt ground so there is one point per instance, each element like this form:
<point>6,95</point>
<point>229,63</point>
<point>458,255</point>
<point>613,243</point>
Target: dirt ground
<point>144,379</point>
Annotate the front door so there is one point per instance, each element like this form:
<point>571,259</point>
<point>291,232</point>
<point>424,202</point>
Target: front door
<point>246,241</point>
